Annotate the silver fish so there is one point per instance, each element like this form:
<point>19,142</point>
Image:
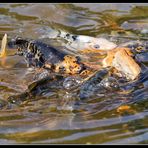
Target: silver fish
<point>81,42</point>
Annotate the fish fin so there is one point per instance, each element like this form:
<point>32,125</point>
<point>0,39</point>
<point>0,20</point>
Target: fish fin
<point>3,46</point>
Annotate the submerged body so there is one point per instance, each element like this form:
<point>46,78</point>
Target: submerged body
<point>98,83</point>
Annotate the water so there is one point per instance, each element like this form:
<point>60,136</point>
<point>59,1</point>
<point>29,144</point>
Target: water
<point>57,118</point>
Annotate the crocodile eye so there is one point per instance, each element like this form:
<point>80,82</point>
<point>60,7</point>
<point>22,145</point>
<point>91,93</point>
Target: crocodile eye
<point>18,38</point>
<point>96,46</point>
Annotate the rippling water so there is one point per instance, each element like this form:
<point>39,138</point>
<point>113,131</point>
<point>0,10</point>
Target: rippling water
<point>56,118</point>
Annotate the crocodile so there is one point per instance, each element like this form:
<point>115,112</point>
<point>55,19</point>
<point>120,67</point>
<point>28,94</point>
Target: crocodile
<point>79,77</point>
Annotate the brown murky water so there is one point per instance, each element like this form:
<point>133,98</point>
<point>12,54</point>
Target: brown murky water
<point>54,118</point>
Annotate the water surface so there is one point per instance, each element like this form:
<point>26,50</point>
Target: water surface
<point>54,118</point>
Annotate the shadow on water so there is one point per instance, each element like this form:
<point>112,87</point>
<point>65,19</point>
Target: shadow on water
<point>54,117</point>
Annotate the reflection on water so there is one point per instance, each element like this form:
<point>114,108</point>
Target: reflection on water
<point>55,118</point>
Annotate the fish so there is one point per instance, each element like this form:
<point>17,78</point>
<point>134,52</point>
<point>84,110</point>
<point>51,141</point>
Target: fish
<point>81,43</point>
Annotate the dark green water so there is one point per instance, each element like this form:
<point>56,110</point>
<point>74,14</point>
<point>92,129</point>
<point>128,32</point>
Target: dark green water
<point>55,119</point>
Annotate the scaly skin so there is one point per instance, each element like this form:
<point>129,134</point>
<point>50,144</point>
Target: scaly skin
<point>41,55</point>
